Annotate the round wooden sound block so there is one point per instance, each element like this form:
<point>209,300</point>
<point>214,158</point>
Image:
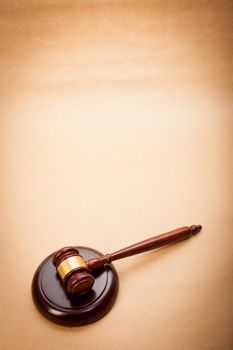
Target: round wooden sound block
<point>53,302</point>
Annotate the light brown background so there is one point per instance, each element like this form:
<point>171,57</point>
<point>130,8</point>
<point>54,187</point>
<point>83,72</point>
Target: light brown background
<point>116,124</point>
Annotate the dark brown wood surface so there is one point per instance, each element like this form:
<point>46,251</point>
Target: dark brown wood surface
<point>158,241</point>
<point>80,280</point>
<point>55,304</point>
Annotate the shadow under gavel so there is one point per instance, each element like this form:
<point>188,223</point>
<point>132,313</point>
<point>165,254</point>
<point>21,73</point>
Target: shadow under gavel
<point>76,274</point>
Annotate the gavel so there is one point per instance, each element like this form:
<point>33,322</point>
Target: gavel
<point>77,274</point>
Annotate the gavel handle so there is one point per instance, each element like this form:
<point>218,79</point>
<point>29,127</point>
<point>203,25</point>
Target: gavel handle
<point>174,236</point>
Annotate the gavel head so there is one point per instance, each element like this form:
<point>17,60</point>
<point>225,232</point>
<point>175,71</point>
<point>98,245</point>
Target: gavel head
<point>73,271</point>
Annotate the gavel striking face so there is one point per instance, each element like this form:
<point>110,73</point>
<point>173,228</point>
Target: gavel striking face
<point>76,274</point>
<point>73,270</point>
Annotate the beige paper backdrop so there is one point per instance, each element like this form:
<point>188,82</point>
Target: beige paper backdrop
<point>116,124</point>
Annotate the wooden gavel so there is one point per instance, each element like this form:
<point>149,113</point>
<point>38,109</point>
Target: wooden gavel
<point>76,274</point>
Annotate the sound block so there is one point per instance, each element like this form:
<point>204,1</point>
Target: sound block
<point>53,302</point>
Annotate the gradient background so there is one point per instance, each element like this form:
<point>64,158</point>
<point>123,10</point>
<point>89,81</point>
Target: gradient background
<point>116,124</point>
